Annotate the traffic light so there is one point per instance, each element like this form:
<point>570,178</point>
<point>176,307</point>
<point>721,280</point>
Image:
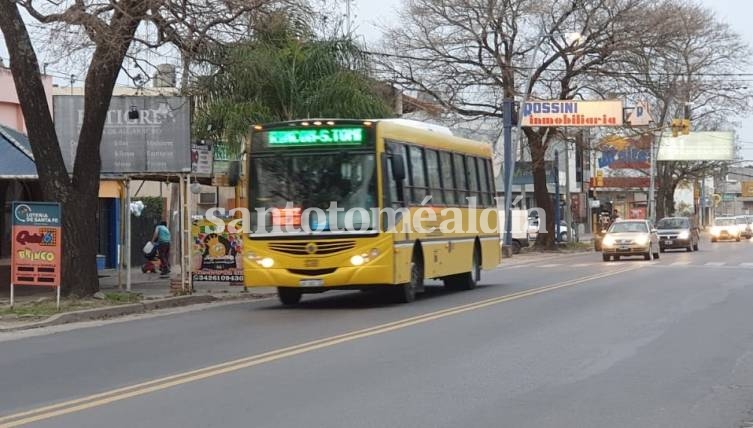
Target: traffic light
<point>676,126</point>
<point>680,126</point>
<point>685,127</point>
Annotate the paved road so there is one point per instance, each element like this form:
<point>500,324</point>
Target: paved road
<point>570,342</point>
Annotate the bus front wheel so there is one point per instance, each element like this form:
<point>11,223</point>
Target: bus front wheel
<point>289,296</point>
<point>406,293</point>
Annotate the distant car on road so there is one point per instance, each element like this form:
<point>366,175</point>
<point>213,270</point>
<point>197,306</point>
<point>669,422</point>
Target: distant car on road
<point>534,227</point>
<point>725,228</point>
<point>677,232</point>
<point>743,223</point>
<point>630,238</point>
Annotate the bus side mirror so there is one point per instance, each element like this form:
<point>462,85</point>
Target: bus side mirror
<point>398,167</point>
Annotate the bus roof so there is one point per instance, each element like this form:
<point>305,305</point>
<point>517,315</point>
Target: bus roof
<point>433,138</point>
<point>415,132</point>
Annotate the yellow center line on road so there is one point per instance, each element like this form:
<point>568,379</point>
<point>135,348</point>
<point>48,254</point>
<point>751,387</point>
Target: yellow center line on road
<point>108,397</point>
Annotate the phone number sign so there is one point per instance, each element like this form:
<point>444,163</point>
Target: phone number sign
<point>37,244</point>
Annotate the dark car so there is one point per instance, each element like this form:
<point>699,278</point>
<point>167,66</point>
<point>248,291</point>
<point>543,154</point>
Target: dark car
<point>677,233</point>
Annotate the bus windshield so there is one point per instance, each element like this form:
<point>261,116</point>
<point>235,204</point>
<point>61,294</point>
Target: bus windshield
<point>316,181</point>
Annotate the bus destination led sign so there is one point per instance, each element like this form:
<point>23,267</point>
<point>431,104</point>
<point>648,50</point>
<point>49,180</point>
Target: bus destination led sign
<point>316,136</point>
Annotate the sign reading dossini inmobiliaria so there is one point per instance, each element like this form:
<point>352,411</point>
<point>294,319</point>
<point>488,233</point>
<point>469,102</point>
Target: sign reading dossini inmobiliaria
<point>572,113</point>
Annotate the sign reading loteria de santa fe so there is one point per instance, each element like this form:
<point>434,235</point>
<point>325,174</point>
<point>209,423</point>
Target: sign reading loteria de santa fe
<point>572,113</point>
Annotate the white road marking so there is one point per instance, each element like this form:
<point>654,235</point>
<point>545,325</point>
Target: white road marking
<point>551,265</point>
<point>715,264</point>
<point>680,263</point>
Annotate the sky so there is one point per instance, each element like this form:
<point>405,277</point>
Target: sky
<point>368,15</point>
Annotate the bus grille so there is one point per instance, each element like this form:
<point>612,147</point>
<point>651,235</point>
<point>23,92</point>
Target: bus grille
<point>312,272</point>
<point>312,248</point>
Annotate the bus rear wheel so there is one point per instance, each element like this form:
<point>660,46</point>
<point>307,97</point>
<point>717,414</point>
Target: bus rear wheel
<point>466,280</point>
<point>289,296</point>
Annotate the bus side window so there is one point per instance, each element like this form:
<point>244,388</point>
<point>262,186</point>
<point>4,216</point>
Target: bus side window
<point>483,173</point>
<point>448,180</point>
<point>433,175</point>
<point>461,181</point>
<point>473,178</point>
<point>417,174</point>
<point>393,196</point>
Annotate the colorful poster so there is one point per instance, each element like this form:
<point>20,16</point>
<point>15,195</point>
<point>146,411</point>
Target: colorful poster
<point>36,246</point>
<point>216,257</point>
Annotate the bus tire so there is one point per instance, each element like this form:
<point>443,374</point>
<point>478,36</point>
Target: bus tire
<point>289,296</point>
<point>406,293</point>
<point>467,280</point>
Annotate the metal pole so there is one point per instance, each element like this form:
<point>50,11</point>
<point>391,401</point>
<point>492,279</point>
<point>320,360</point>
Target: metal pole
<point>57,293</point>
<point>507,110</point>
<point>702,204</point>
<point>568,208</point>
<point>652,181</point>
<point>12,294</point>
<point>127,254</point>
<point>556,195</point>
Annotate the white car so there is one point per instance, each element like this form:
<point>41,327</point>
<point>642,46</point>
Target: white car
<point>725,228</point>
<point>533,230</point>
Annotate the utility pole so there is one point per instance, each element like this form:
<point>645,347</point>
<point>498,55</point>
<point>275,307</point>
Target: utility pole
<point>348,17</point>
<point>507,113</point>
<point>568,202</point>
<point>556,196</point>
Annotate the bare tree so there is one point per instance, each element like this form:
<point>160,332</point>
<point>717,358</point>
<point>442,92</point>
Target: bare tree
<point>112,29</point>
<point>470,55</point>
<point>689,61</point>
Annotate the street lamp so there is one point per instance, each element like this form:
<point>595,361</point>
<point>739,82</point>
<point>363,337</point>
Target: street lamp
<point>572,38</point>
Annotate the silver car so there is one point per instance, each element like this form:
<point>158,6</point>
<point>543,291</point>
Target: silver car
<point>630,238</point>
<point>677,232</point>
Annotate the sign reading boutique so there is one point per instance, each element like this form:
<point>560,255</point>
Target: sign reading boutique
<point>572,113</point>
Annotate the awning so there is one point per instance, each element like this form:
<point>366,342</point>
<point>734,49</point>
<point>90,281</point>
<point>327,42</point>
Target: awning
<point>17,161</point>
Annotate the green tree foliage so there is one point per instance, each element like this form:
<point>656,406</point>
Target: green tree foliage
<point>280,75</point>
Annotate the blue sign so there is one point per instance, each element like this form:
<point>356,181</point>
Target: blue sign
<point>43,214</point>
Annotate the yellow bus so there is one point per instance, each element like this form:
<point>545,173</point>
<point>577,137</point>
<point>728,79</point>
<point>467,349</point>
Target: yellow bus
<point>357,204</point>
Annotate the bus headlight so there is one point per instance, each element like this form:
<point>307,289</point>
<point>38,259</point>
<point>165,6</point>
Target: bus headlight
<point>608,241</point>
<point>267,262</point>
<point>641,240</point>
<point>683,235</point>
<point>361,259</point>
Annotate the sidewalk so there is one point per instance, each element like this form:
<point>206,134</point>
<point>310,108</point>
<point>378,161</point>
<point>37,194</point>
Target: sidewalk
<point>152,286</point>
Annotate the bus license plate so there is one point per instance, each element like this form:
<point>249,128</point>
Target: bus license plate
<point>670,242</point>
<point>311,283</point>
<point>624,248</point>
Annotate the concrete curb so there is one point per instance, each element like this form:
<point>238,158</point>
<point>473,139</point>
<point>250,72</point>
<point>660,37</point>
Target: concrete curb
<point>113,312</point>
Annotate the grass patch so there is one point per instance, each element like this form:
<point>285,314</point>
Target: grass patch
<point>123,298</point>
<point>46,307</point>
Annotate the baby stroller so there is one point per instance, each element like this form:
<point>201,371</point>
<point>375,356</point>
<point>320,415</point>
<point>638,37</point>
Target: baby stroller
<point>152,264</point>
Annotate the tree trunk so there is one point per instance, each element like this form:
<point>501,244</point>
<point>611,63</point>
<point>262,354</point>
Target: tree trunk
<point>665,193</point>
<point>540,190</point>
<point>79,245</point>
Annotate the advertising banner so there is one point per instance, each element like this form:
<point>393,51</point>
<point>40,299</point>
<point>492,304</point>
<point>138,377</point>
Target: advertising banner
<point>36,255</point>
<point>216,257</point>
<point>697,146</point>
<point>141,134</point>
<point>572,113</point>
<point>746,188</point>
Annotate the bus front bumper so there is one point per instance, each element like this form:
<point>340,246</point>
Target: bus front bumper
<point>341,277</point>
